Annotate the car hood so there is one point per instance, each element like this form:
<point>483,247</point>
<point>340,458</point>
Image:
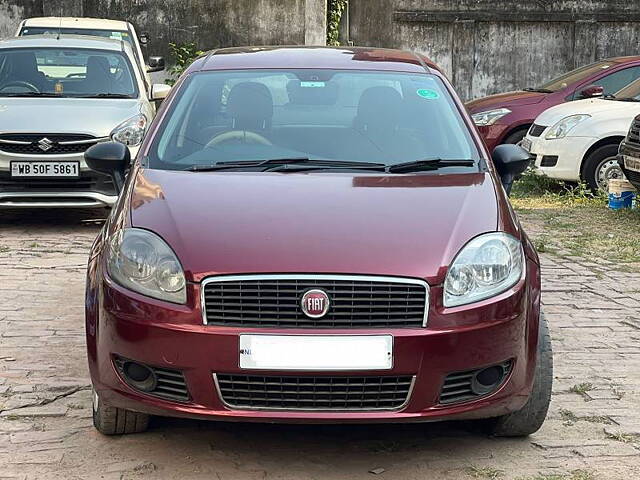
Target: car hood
<point>65,115</point>
<point>504,100</point>
<point>406,225</point>
<point>594,107</point>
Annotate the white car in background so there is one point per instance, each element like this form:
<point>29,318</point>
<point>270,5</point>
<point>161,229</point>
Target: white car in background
<point>59,95</point>
<point>579,141</point>
<point>95,27</point>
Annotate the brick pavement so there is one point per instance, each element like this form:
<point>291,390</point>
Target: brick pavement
<point>45,407</point>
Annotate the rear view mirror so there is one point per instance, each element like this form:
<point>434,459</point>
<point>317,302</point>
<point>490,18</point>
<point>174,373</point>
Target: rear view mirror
<point>155,64</point>
<point>159,91</point>
<point>109,158</point>
<point>592,91</point>
<point>510,161</point>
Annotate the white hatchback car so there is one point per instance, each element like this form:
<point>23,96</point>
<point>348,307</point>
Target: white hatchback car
<point>579,141</point>
<point>58,97</point>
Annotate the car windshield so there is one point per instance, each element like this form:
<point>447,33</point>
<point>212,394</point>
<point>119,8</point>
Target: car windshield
<point>630,92</point>
<point>333,115</point>
<point>575,76</point>
<point>65,72</point>
<point>94,32</point>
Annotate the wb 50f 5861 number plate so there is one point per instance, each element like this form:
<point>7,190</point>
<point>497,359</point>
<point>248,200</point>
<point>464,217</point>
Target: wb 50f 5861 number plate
<point>45,169</point>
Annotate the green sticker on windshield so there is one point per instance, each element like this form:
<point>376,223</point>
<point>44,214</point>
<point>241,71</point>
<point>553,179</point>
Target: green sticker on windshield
<point>429,94</point>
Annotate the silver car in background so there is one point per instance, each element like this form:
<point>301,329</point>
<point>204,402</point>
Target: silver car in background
<point>58,97</point>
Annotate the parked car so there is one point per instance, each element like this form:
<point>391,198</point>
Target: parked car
<point>579,141</point>
<point>506,118</point>
<point>96,27</point>
<point>315,235</point>
<point>629,158</point>
<point>58,97</point>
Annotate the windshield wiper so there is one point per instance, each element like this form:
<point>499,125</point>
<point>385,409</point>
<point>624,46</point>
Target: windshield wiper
<point>281,164</point>
<point>106,95</point>
<point>429,164</point>
<point>627,99</point>
<point>31,94</point>
<point>539,90</point>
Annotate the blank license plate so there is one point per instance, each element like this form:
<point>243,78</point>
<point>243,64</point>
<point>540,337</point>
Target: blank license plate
<point>632,163</point>
<point>45,169</point>
<point>317,352</point>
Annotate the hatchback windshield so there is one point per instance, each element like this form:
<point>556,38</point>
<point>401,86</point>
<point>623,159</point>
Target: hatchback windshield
<point>94,32</point>
<point>335,115</point>
<point>65,72</point>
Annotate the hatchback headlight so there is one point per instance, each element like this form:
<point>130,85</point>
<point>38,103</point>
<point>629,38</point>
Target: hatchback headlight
<point>484,119</point>
<point>141,261</point>
<point>486,266</point>
<point>564,126</point>
<point>130,132</point>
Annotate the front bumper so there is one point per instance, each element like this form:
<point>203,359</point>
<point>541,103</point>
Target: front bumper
<point>124,324</point>
<point>570,151</point>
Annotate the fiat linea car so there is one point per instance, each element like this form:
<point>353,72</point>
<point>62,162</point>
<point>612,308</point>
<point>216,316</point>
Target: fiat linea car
<point>315,235</point>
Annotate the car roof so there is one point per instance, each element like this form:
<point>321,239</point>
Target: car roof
<point>65,41</point>
<point>350,58</point>
<point>77,22</point>
<point>627,59</point>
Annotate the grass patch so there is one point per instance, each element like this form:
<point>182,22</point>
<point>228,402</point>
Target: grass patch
<point>622,437</point>
<point>484,472</point>
<point>576,222</point>
<point>581,388</point>
<point>4,249</point>
<point>574,475</point>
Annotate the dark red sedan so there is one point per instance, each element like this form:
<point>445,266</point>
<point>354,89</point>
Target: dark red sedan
<point>506,118</point>
<point>315,235</point>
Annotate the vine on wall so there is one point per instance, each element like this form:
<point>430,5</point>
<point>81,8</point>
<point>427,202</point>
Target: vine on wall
<point>335,9</point>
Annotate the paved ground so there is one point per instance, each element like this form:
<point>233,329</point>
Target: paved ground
<point>45,427</point>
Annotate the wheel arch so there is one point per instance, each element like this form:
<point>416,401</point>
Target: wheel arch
<point>612,140</point>
<point>518,128</point>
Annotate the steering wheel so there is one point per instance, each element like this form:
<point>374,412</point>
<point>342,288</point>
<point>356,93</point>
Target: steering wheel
<point>20,83</point>
<point>238,136</point>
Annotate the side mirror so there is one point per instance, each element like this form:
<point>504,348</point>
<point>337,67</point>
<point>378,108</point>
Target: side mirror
<point>510,161</point>
<point>155,64</point>
<point>159,91</point>
<point>592,91</point>
<point>110,158</point>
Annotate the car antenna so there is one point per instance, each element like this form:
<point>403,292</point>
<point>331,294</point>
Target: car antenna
<point>59,25</point>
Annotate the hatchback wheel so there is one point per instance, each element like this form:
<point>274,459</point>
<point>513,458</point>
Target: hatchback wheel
<point>110,420</point>
<point>600,167</point>
<point>530,418</point>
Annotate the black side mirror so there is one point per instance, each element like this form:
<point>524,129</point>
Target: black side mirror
<point>155,64</point>
<point>110,158</point>
<point>510,161</point>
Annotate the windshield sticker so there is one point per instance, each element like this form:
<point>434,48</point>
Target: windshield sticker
<point>428,94</point>
<point>116,35</point>
<point>312,84</point>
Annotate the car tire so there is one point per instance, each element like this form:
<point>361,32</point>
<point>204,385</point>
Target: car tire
<point>530,418</point>
<point>110,420</point>
<point>516,136</point>
<point>602,158</point>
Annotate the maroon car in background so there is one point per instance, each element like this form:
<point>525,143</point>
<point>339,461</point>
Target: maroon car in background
<point>315,235</point>
<point>506,117</point>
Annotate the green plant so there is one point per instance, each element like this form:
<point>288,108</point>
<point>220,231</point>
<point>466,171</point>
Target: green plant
<point>581,388</point>
<point>182,56</point>
<point>484,472</point>
<point>335,9</point>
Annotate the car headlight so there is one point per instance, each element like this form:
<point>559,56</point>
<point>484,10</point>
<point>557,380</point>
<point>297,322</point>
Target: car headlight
<point>486,266</point>
<point>130,132</point>
<point>564,126</point>
<point>484,119</point>
<point>141,261</point>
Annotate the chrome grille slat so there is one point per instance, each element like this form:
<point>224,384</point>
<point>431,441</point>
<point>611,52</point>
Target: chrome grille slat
<point>62,143</point>
<point>313,393</point>
<point>274,301</point>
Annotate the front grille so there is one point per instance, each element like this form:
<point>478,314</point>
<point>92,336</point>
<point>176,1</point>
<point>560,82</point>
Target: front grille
<point>536,130</point>
<point>314,393</point>
<point>274,301</point>
<point>170,384</point>
<point>457,387</point>
<point>634,132</point>
<point>87,182</point>
<point>57,143</point>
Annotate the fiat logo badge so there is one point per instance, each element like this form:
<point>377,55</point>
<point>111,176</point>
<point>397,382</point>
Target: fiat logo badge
<point>315,303</point>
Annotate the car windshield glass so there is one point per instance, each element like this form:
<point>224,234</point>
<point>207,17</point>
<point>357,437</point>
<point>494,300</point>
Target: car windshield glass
<point>575,76</point>
<point>333,115</point>
<point>631,91</point>
<point>94,32</point>
<point>65,72</point>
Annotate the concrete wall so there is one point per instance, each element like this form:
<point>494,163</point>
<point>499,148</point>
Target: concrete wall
<point>209,23</point>
<point>489,46</point>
